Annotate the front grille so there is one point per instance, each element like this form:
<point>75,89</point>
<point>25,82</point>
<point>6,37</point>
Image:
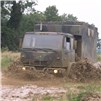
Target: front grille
<point>34,63</point>
<point>40,63</point>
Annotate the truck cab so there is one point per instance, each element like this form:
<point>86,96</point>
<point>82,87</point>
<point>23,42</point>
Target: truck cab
<point>51,51</point>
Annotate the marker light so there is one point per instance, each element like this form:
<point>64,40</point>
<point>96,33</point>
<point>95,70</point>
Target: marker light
<point>55,71</point>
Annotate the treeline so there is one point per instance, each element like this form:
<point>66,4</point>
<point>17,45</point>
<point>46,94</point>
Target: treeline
<point>18,17</point>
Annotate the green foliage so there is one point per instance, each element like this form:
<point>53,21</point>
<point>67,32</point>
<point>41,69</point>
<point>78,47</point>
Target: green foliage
<point>64,17</point>
<point>99,57</point>
<point>48,98</point>
<point>11,17</point>
<point>28,21</point>
<point>27,6</point>
<point>8,57</point>
<point>5,8</point>
<point>5,62</point>
<point>76,97</point>
<point>84,91</point>
<point>68,17</point>
<point>71,17</point>
<point>4,49</point>
<point>16,15</point>
<point>51,14</point>
<point>4,13</point>
<point>9,38</point>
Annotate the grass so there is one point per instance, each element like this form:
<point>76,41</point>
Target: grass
<point>78,91</point>
<point>76,97</point>
<point>52,98</point>
<point>48,98</point>
<point>7,58</point>
<point>99,57</point>
<point>84,90</point>
<point>5,62</point>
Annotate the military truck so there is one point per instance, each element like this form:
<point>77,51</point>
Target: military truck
<point>47,51</point>
<point>54,46</point>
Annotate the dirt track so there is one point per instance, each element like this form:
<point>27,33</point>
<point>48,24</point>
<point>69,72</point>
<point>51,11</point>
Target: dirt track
<point>28,92</point>
<point>14,89</point>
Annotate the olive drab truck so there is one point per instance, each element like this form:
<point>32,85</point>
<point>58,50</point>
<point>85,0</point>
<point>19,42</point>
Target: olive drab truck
<point>54,46</point>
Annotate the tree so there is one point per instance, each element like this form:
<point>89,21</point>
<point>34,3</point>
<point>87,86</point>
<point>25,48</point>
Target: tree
<point>29,20</point>
<point>16,15</point>
<point>5,12</point>
<point>9,38</point>
<point>64,17</point>
<point>17,10</point>
<point>71,17</point>
<point>68,17</point>
<point>11,16</point>
<point>51,13</point>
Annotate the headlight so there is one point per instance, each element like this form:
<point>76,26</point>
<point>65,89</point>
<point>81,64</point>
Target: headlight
<point>23,68</point>
<point>55,71</point>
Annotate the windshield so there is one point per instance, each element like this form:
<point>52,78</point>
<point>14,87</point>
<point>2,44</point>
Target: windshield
<point>42,41</point>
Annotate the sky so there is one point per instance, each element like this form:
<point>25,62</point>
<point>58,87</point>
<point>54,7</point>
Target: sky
<point>85,10</point>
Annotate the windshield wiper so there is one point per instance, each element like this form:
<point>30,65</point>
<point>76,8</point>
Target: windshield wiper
<point>36,49</point>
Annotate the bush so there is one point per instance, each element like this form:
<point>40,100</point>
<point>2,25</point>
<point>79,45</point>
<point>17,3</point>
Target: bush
<point>8,57</point>
<point>99,57</point>
<point>9,38</point>
<point>4,49</point>
<point>5,62</point>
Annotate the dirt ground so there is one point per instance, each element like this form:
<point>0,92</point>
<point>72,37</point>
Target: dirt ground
<point>17,88</point>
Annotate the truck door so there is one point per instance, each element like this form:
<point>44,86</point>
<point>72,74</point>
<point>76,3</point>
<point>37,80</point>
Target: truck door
<point>69,53</point>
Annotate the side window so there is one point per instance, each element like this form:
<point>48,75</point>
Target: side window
<point>90,32</point>
<point>67,43</point>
